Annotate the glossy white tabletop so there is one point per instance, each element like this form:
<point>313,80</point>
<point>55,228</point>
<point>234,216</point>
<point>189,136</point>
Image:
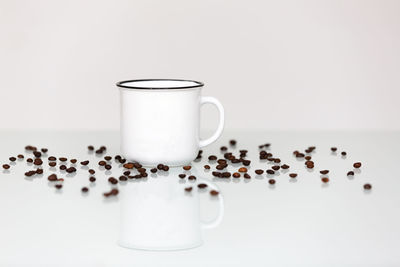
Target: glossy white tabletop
<point>295,223</point>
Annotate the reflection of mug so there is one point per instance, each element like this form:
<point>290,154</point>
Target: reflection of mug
<point>160,121</point>
<point>158,214</point>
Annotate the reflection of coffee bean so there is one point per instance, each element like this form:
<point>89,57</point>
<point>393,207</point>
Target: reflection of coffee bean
<point>293,175</point>
<point>201,186</point>
<point>85,189</point>
<point>367,186</point>
<point>186,168</point>
<point>324,172</point>
<point>6,166</point>
<point>214,193</point>
<point>271,181</point>
<point>350,173</point>
<point>357,165</point>
<point>325,179</point>
<point>259,171</point>
<point>92,179</point>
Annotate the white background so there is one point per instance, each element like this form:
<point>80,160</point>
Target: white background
<point>273,64</point>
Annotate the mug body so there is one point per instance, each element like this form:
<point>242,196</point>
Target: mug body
<point>159,215</point>
<point>160,125</point>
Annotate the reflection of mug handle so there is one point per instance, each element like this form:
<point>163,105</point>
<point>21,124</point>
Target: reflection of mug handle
<point>218,219</point>
<point>218,132</point>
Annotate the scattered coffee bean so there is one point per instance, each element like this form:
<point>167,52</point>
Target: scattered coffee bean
<point>99,151</point>
<point>153,170</point>
<point>214,193</point>
<point>236,175</point>
<point>30,160</point>
<point>37,154</point>
<point>113,192</point>
<point>324,172</point>
<point>39,171</point>
<point>232,142</point>
<point>357,165</point>
<point>90,148</point>
<point>225,175</point>
<point>333,149</point>
<point>202,186</point>
<point>293,175</point>
<point>73,161</point>
<point>20,156</point>
<point>246,176</point>
<point>38,161</point>
<point>128,165</point>
<point>92,179</point>
<point>112,180</point>
<point>246,162</point>
<point>108,167</point>
<point>12,158</point>
<point>277,160</point>
<point>221,166</point>
<point>343,153</point>
<point>189,189</point>
<point>63,159</point>
<point>271,181</point>
<point>276,167</point>
<point>108,158</point>
<point>6,166</point>
<point>212,157</point>
<point>307,157</point>
<point>223,148</point>
<point>126,173</point>
<point>58,186</point>
<point>367,186</point>
<point>165,168</point>
<point>325,179</point>
<point>102,163</point>
<point>259,171</point>
<point>192,177</point>
<point>160,166</point>
<point>30,173</point>
<point>52,177</point>
<point>31,148</point>
<point>51,158</point>
<point>222,161</point>
<point>85,189</point>
<point>207,167</point>
<point>44,150</point>
<point>182,175</point>
<point>91,171</point>
<point>186,168</point>
<point>123,178</point>
<point>242,169</point>
<point>285,166</point>
<point>270,172</point>
<point>63,167</point>
<point>350,173</point>
<point>216,174</point>
<point>84,163</point>
<point>71,169</point>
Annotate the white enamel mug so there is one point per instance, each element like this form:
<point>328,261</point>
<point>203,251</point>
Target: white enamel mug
<point>158,214</point>
<point>160,121</point>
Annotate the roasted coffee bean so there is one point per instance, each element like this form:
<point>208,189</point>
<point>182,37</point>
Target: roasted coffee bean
<point>126,173</point>
<point>192,177</point>
<point>58,186</point>
<point>103,148</point>
<point>73,161</point>
<point>160,167</point>
<point>357,165</point>
<point>222,161</point>
<point>117,157</point>
<point>343,153</point>
<point>223,148</point>
<point>37,154</point>
<point>186,168</point>
<point>38,161</point>
<point>123,178</point>
<point>307,157</point>
<point>85,189</point>
<point>300,155</point>
<point>189,189</point>
<point>182,175</point>
<point>212,157</point>
<point>92,179</point>
<point>52,177</point>
<point>143,174</point>
<point>234,161</point>
<point>350,173</point>
<point>264,145</point>
<point>108,167</point>
<point>309,164</point>
<point>138,165</point>
<point>325,179</point>
<point>71,169</point>
<point>259,171</point>
<point>112,180</point>
<point>91,171</point>
<point>44,150</point>
<point>30,173</point>
<point>293,175</point>
<point>271,181</point>
<point>202,186</point>
<point>108,158</point>
<point>51,158</point>
<point>225,175</point>
<point>6,166</point>
<point>99,151</point>
<point>277,160</point>
<point>62,159</point>
<point>276,167</point>
<point>60,180</point>
<point>153,170</point>
<point>270,172</point>
<point>324,172</point>
<point>102,163</point>
<point>20,156</point>
<point>246,162</point>
<point>285,166</point>
<point>207,167</point>
<point>221,167</point>
<point>216,174</point>
<point>214,193</point>
<point>165,168</point>
<point>243,151</point>
<point>39,171</point>
<point>295,152</point>
<point>141,170</point>
<point>242,169</point>
<point>113,192</point>
<point>63,167</point>
<point>333,149</point>
<point>12,158</point>
<point>232,142</point>
<point>128,165</point>
<point>31,148</point>
<point>236,175</point>
<point>367,186</point>
<point>29,160</point>
<point>246,176</point>
<point>90,148</point>
<point>122,161</point>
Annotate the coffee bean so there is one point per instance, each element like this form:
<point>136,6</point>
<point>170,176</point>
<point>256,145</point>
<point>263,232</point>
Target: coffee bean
<point>223,148</point>
<point>221,167</point>
<point>222,161</point>
<point>85,189</point>
<point>276,167</point>
<point>39,171</point>
<point>186,168</point>
<point>246,162</point>
<point>108,158</point>
<point>30,173</point>
<point>112,180</point>
<point>165,168</point>
<point>207,167</point>
<point>102,163</point>
<point>128,165</point>
<point>242,169</point>
<point>246,176</point>
<point>236,175</point>
<point>63,167</point>
<point>182,175</point>
<point>137,165</point>
<point>12,158</point>
<point>307,157</point>
<point>73,161</point>
<point>333,149</point>
<point>232,142</point>
<point>160,167</point>
<point>99,151</point>
<point>122,161</point>
<point>144,174</point>
<point>212,157</point>
<point>264,145</point>
<point>293,175</point>
<point>141,170</point>
<point>44,150</point>
<point>214,193</point>
<point>189,189</point>
<point>277,160</point>
<point>271,181</point>
<point>300,155</point>
<point>52,177</point>
<point>58,186</point>
<point>63,159</point>
<point>6,166</point>
<point>108,167</point>
<point>90,148</point>
<point>343,153</point>
<point>31,148</point>
<point>270,172</point>
<point>216,174</point>
<point>259,171</point>
<point>123,178</point>
<point>60,180</point>
<point>350,173</point>
<point>192,177</point>
<point>225,175</point>
<point>37,154</point>
<point>153,170</point>
<point>113,192</point>
<point>38,161</point>
<point>126,173</point>
<point>71,169</point>
<point>357,165</point>
<point>324,172</point>
<point>92,179</point>
<point>202,186</point>
<point>51,158</point>
<point>285,166</point>
<point>367,186</point>
<point>103,148</point>
<point>234,161</point>
<point>20,156</point>
<point>29,160</point>
<point>325,179</point>
<point>91,171</point>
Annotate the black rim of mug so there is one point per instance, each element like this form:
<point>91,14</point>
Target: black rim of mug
<point>122,84</point>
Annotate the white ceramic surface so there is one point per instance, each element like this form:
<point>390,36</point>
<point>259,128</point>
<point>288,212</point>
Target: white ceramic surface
<point>160,121</point>
<point>158,214</point>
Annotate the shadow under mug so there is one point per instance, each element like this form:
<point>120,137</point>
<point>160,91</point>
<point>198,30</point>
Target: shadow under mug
<point>160,121</point>
<point>158,214</point>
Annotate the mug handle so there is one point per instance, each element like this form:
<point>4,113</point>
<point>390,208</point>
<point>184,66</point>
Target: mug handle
<point>215,222</point>
<point>218,132</point>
